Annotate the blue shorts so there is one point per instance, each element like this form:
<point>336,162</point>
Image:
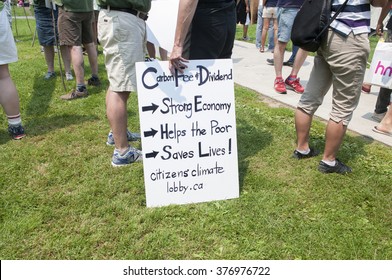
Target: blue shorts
<point>286,18</point>
<point>44,25</point>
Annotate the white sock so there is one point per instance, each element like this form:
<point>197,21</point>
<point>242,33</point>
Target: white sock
<point>14,120</point>
<point>304,152</point>
<point>124,152</point>
<point>329,162</point>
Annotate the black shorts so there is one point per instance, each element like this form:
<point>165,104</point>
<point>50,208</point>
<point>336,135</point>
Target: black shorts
<point>212,33</point>
<point>241,12</point>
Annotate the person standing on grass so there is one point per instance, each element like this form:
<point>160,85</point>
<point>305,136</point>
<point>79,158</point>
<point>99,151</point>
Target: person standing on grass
<point>287,11</point>
<point>269,15</point>
<point>340,62</point>
<point>75,28</point>
<point>259,29</point>
<point>9,98</point>
<point>45,31</point>
<point>243,17</point>
<point>127,17</point>
<point>199,38</point>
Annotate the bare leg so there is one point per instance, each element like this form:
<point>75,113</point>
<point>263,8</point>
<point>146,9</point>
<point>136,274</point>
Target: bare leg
<point>92,58</point>
<point>9,98</point>
<point>299,61</point>
<point>275,26</point>
<point>333,139</point>
<point>264,33</point>
<point>278,57</point>
<point>163,53</point>
<point>245,31</point>
<point>66,56</point>
<point>78,64</point>
<point>386,123</point>
<point>151,50</point>
<point>303,121</point>
<point>116,111</point>
<point>49,57</point>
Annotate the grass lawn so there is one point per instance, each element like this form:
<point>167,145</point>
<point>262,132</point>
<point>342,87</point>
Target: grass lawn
<point>61,199</point>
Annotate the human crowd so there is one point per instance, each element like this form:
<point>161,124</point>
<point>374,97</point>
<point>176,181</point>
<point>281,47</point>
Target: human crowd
<point>205,29</point>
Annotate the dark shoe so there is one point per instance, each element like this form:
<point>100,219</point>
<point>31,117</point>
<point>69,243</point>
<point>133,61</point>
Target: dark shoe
<point>94,81</point>
<point>312,153</point>
<point>270,61</point>
<point>288,63</point>
<point>339,168</point>
<point>74,94</point>
<point>285,63</point>
<point>17,132</point>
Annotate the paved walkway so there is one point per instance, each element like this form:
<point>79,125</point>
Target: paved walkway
<point>252,71</point>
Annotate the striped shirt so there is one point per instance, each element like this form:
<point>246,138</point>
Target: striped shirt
<point>355,17</point>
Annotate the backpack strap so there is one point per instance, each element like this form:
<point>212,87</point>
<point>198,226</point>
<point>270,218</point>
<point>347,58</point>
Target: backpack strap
<point>333,18</point>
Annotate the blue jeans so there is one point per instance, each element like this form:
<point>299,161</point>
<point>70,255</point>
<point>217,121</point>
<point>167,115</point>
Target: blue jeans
<point>259,29</point>
<point>44,25</point>
<point>293,54</point>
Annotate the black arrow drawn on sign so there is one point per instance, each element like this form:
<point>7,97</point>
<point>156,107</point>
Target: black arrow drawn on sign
<point>152,108</point>
<point>151,132</point>
<point>152,155</point>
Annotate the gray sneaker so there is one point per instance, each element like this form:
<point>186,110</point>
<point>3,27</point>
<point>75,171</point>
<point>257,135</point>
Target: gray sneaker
<point>68,76</point>
<point>378,117</point>
<point>131,136</point>
<point>49,75</point>
<point>131,155</point>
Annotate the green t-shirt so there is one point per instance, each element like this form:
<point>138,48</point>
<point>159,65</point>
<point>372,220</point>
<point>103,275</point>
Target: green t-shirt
<point>140,5</point>
<point>77,6</point>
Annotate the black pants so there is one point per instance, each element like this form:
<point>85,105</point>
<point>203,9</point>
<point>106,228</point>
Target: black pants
<point>383,100</point>
<point>212,32</point>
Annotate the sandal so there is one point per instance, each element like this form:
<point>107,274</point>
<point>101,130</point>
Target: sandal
<point>376,129</point>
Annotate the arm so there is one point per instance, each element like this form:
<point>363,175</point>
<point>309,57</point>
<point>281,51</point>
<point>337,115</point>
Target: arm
<point>379,3</point>
<point>186,11</point>
<point>383,14</point>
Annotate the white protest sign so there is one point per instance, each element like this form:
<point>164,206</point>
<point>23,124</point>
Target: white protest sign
<point>161,23</point>
<point>188,129</point>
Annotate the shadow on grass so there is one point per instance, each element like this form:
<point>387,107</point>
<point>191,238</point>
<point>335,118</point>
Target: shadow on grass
<point>41,97</point>
<point>39,126</point>
<point>250,140</point>
<point>351,148</point>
